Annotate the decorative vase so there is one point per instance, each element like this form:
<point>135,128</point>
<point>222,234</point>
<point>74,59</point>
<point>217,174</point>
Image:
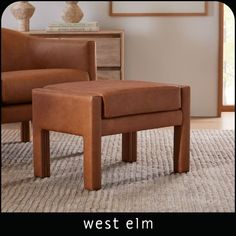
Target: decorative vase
<point>23,11</point>
<point>72,13</point>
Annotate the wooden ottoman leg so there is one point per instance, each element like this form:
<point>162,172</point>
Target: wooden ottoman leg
<point>129,147</point>
<point>25,131</point>
<point>92,162</point>
<point>41,153</point>
<point>182,135</point>
<point>92,146</point>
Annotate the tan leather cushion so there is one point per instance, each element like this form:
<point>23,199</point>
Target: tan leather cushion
<point>122,98</point>
<point>17,85</point>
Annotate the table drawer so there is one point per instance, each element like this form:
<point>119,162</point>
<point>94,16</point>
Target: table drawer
<point>109,74</point>
<point>108,52</point>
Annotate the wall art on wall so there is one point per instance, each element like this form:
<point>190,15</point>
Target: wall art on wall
<point>158,8</point>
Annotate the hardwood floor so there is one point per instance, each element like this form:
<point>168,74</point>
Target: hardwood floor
<point>225,122</point>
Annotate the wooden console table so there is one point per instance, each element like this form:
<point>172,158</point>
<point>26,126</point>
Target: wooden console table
<point>109,44</point>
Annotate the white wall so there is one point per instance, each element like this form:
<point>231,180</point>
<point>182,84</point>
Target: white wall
<point>181,50</point>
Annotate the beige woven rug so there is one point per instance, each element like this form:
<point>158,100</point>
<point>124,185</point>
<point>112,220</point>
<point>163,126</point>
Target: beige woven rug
<point>145,186</point>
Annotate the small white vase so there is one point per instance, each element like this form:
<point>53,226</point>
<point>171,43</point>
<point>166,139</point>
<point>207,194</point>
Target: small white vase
<point>72,13</point>
<point>23,11</point>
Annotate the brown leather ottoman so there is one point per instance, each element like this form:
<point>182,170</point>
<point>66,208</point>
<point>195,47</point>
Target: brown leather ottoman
<point>97,108</point>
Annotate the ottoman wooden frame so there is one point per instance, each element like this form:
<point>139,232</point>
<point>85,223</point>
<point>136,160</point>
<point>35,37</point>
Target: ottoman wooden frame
<point>82,113</point>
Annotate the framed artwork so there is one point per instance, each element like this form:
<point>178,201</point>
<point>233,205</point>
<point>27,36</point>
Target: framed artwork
<point>158,8</point>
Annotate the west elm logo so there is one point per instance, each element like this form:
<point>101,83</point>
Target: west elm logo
<point>114,224</point>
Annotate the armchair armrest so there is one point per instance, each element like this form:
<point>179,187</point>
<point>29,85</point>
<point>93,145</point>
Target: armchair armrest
<point>64,53</point>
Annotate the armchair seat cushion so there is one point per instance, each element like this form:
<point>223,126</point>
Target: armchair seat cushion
<point>17,85</point>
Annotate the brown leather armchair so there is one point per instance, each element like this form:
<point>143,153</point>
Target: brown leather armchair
<point>30,62</point>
